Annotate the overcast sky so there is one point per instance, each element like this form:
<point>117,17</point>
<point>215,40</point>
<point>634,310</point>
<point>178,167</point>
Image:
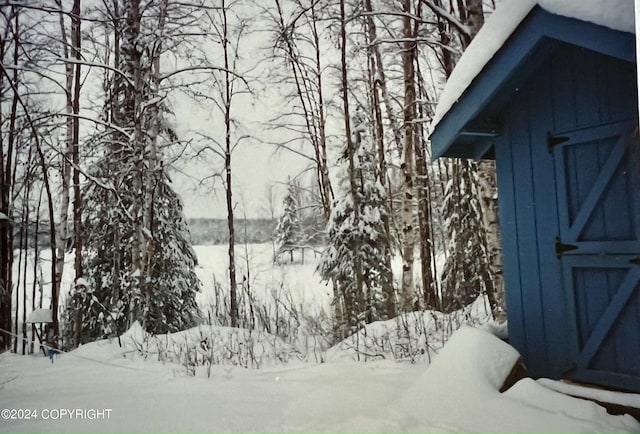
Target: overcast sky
<point>256,164</point>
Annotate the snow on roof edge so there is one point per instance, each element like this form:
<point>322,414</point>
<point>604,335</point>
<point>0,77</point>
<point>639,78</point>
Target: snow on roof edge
<point>615,14</point>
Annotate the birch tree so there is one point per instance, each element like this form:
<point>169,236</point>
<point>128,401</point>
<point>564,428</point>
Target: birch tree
<point>297,27</point>
<point>228,83</point>
<point>25,130</point>
<point>8,84</point>
<point>70,154</point>
<point>219,91</point>
<point>407,294</point>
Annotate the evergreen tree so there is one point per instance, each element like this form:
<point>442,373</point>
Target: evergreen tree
<point>107,257</point>
<point>173,306</point>
<point>364,242</point>
<point>138,262</point>
<point>117,298</point>
<point>465,274</point>
<point>288,231</point>
<point>81,313</point>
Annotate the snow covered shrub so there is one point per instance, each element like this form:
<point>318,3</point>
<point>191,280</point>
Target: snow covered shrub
<point>412,336</point>
<point>278,315</point>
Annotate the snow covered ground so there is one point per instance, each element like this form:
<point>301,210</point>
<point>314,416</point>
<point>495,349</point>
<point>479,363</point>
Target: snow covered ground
<point>255,262</point>
<point>205,379</point>
<point>102,387</point>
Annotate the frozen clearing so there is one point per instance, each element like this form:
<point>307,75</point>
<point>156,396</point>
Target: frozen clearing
<point>457,393</point>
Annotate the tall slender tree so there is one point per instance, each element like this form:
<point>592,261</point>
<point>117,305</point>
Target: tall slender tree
<point>228,148</point>
<point>297,34</point>
<point>8,84</point>
<point>407,291</point>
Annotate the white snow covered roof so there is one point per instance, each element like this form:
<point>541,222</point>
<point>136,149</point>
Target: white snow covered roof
<point>615,14</point>
<point>40,316</point>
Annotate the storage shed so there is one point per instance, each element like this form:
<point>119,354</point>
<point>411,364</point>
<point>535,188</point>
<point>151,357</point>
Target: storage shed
<point>549,89</point>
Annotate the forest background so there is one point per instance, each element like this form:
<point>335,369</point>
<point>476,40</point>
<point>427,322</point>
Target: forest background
<point>113,113</point>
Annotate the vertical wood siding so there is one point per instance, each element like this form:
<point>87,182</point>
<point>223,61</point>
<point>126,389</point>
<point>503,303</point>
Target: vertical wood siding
<point>574,89</point>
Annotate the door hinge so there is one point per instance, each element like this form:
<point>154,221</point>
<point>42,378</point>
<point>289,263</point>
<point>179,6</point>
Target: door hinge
<point>553,141</point>
<point>562,248</point>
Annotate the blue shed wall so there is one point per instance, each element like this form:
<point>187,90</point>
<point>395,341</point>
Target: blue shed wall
<point>573,88</point>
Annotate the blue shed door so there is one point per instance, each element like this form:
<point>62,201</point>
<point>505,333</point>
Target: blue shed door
<point>598,194</point>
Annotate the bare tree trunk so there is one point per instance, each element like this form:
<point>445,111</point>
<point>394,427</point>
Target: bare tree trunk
<point>426,243</point>
<point>230,224</point>
<point>132,102</point>
<point>151,171</point>
<point>21,254</point>
<point>408,218</point>
<point>447,60</point>
<point>488,191</point>
<point>380,79</point>
<point>36,260</point>
<point>323,168</point>
<point>24,247</point>
<point>115,112</point>
<point>75,149</point>
<point>62,233</point>
<point>55,286</point>
<point>6,169</point>
<point>228,92</point>
<point>474,16</point>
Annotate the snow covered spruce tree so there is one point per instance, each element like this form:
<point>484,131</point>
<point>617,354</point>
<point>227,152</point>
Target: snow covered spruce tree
<point>465,275</point>
<point>114,281</point>
<point>360,241</point>
<point>288,229</point>
<point>137,258</point>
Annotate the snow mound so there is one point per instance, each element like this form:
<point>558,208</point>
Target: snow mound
<point>135,332</point>
<point>413,336</point>
<point>477,357</point>
<point>460,390</point>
